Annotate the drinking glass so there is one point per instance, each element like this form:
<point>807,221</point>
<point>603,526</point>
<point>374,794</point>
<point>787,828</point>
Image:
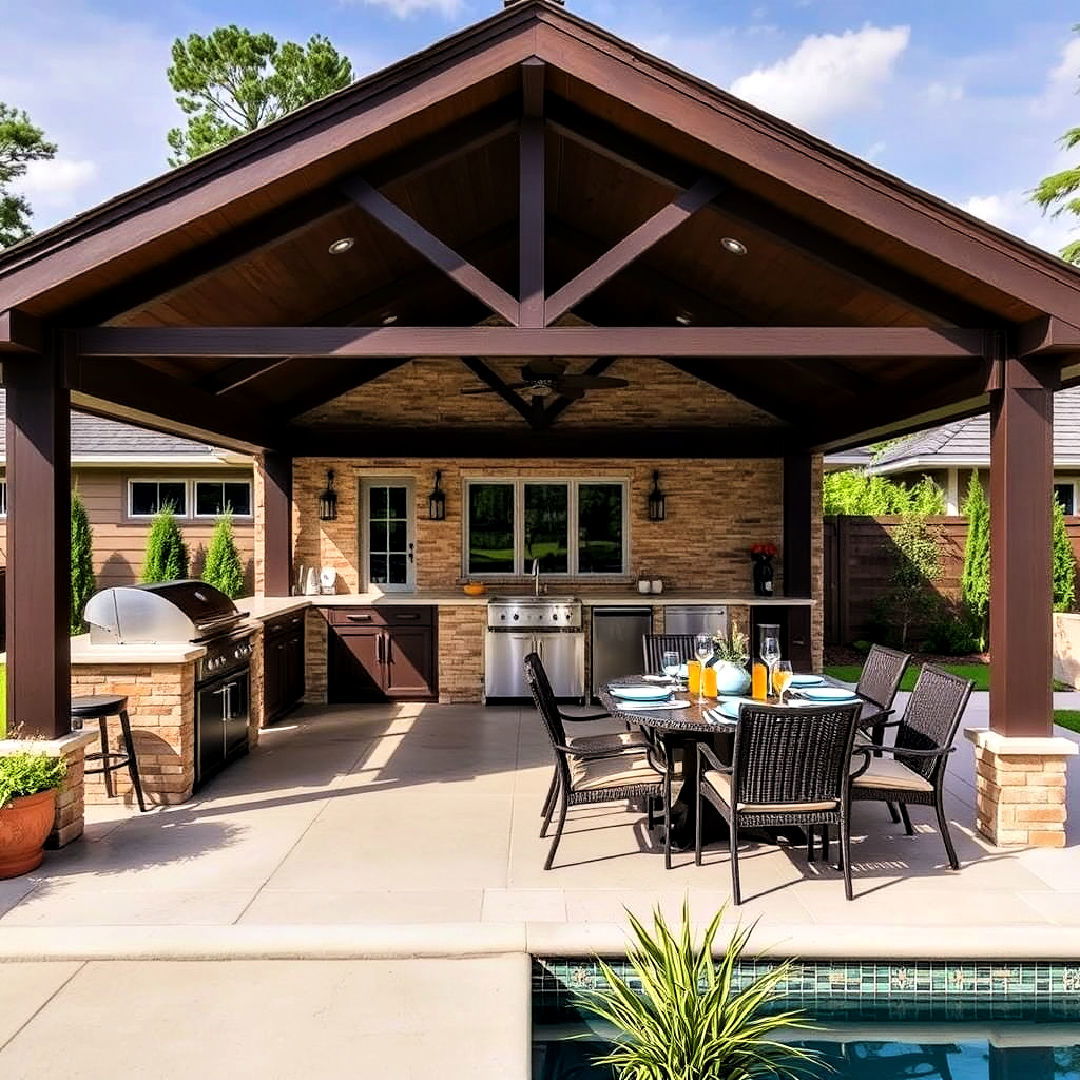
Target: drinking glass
<point>670,664</point>
<point>782,678</point>
<point>703,649</point>
<point>770,649</point>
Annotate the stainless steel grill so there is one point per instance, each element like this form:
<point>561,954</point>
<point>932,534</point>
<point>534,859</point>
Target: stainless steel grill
<point>172,611</point>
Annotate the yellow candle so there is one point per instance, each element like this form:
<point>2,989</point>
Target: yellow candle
<point>693,676</point>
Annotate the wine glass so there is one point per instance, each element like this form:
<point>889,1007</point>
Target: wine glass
<point>782,678</point>
<point>670,664</point>
<point>770,653</point>
<point>703,649</point>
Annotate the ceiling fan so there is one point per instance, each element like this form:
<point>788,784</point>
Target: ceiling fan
<point>547,375</point>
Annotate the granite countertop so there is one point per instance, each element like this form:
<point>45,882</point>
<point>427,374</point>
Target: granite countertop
<point>181,652</point>
<point>263,608</point>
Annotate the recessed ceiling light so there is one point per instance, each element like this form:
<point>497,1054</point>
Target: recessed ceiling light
<point>389,320</point>
<point>733,246</point>
<point>683,319</point>
<point>339,247</point>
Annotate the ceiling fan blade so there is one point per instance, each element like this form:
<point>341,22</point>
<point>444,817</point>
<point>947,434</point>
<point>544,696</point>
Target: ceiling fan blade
<point>571,393</point>
<point>543,367</point>
<point>491,389</point>
<point>589,382</point>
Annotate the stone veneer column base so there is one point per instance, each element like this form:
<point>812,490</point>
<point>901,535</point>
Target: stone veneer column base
<point>1020,788</point>
<point>68,823</point>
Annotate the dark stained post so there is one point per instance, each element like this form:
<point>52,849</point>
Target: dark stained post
<point>798,550</point>
<point>1021,478</point>
<point>38,544</point>
<point>531,196</point>
<point>275,537</point>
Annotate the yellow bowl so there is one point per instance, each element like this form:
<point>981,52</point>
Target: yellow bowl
<point>474,589</point>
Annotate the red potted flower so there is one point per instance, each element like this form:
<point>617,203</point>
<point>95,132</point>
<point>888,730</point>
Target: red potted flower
<point>762,556</point>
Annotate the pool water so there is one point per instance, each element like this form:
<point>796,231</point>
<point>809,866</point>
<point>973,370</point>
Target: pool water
<point>872,1022</point>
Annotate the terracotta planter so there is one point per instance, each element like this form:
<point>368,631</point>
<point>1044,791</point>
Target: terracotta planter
<point>24,824</point>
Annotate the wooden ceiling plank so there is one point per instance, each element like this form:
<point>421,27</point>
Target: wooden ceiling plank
<point>531,196</point>
<point>408,229</point>
<point>753,342</point>
<point>827,251</point>
<point>490,379</point>
<point>647,235</point>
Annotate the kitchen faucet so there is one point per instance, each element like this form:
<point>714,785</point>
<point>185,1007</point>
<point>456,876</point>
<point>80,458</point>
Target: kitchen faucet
<point>536,577</point>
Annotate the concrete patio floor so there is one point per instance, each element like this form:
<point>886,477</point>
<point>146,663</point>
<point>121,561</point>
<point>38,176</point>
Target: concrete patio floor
<point>429,814</point>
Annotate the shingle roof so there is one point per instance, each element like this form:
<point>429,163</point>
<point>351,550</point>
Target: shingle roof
<point>95,436</point>
<point>967,442</point>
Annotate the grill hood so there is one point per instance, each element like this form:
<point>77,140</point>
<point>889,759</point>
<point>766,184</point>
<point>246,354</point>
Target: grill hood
<point>170,612</point>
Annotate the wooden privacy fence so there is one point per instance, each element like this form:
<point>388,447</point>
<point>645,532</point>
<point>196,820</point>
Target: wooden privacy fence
<point>859,561</point>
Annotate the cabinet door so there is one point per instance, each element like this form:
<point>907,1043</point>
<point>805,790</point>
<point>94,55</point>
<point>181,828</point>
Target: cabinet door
<point>563,656</point>
<point>294,667</point>
<point>356,667</point>
<point>410,669</point>
<point>273,678</point>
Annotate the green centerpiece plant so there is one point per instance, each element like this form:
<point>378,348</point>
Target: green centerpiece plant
<point>732,653</point>
<point>684,1014</point>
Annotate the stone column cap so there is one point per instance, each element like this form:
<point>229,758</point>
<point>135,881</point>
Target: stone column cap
<point>60,747</point>
<point>1026,745</point>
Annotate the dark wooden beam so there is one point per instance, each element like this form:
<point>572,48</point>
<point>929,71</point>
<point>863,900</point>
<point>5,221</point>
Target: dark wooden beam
<point>798,524</point>
<point>278,225</point>
<point>552,412</point>
<point>490,379</point>
<point>1021,591</point>
<point>661,224</point>
<point>138,394</point>
<point>755,343</point>
<point>38,544</point>
<point>20,332</point>
<point>1047,336</point>
<point>455,266</point>
<point>823,248</point>
<point>275,537</point>
<point>236,375</point>
<point>531,239</point>
<point>551,443</point>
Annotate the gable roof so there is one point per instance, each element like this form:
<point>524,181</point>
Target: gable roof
<point>966,443</point>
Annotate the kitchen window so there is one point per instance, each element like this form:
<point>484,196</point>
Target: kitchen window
<point>573,527</point>
<point>189,498</point>
<point>216,497</point>
<point>148,497</point>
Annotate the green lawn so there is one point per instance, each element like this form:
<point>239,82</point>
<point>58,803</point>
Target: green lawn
<point>978,673</point>
<point>1068,718</point>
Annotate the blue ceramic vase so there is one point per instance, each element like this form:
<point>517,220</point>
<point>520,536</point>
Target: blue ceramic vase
<point>730,678</point>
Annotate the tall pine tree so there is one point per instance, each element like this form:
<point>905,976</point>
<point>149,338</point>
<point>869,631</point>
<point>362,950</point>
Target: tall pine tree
<point>166,552</point>
<point>224,568</point>
<point>83,582</point>
<point>1064,563</point>
<point>975,580</point>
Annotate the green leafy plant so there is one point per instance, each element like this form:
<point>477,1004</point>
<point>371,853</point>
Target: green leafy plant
<point>855,493</point>
<point>233,81</point>
<point>1064,563</point>
<point>224,569</point>
<point>916,567</point>
<point>733,647</point>
<point>28,773</point>
<point>83,582</point>
<point>688,1021</point>
<point>166,553</point>
<point>952,632</point>
<point>20,143</point>
<point>975,578</point>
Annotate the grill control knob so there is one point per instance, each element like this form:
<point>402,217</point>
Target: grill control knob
<point>516,616</point>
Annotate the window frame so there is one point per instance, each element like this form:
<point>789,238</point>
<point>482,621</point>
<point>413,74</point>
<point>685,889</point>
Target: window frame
<point>194,483</point>
<point>1069,484</point>
<point>572,485</point>
<point>129,505</point>
<point>3,498</point>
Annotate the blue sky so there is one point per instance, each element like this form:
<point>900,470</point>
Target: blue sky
<point>965,98</point>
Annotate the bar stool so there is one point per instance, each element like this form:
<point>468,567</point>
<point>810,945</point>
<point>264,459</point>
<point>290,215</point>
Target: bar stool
<point>100,707</point>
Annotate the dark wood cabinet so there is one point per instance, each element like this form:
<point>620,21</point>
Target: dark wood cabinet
<point>794,623</point>
<point>381,654</point>
<point>284,682</point>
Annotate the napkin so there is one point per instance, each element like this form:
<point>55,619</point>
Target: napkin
<point>652,706</point>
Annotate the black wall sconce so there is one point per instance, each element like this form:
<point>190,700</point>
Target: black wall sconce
<point>656,498</point>
<point>328,499</point>
<point>436,501</point>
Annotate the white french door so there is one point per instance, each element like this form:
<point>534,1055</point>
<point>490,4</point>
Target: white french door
<point>389,534</point>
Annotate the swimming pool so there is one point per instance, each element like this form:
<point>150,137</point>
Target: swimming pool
<point>879,1021</point>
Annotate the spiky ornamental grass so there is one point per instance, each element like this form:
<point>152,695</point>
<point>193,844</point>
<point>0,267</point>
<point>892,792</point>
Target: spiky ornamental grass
<point>688,1022</point>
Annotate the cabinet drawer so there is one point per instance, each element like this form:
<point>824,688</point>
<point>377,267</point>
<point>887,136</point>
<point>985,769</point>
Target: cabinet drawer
<point>284,623</point>
<point>403,615</point>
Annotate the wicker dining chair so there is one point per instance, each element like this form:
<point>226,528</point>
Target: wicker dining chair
<point>789,766</point>
<point>912,769</point>
<point>655,645</point>
<point>880,680</point>
<point>585,777</point>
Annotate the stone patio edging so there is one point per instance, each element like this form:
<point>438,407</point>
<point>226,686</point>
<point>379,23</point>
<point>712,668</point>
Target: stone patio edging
<point>451,941</point>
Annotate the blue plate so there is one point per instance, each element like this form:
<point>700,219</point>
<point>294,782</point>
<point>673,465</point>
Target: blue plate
<point>807,680</point>
<point>730,709</point>
<point>829,693</point>
<point>641,693</point>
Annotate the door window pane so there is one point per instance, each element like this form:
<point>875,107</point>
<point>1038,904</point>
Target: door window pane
<point>148,497</point>
<point>546,523</point>
<point>600,528</point>
<point>388,535</point>
<point>491,528</point>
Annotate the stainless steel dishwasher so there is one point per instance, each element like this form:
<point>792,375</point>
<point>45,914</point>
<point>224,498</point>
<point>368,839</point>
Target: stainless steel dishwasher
<point>616,642</point>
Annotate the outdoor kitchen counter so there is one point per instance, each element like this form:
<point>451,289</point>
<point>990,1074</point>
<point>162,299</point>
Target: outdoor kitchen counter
<point>83,651</point>
<point>263,608</point>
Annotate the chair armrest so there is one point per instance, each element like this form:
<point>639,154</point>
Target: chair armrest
<point>579,719</point>
<point>589,755</point>
<point>938,752</point>
<point>706,752</point>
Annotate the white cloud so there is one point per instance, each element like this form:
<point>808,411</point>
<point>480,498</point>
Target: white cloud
<point>827,75</point>
<point>1016,213</point>
<point>944,93</point>
<point>404,9</point>
<point>57,183</point>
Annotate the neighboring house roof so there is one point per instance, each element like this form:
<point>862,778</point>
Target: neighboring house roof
<point>966,443</point>
<point>96,440</point>
<point>856,457</point>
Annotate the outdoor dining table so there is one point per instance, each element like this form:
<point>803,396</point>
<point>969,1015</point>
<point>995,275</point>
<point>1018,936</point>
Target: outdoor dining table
<point>679,730</point>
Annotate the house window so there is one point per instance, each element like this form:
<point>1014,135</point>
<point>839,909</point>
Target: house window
<point>572,527</point>
<point>148,497</point>
<point>3,498</point>
<point>1066,495</point>
<point>215,497</point>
